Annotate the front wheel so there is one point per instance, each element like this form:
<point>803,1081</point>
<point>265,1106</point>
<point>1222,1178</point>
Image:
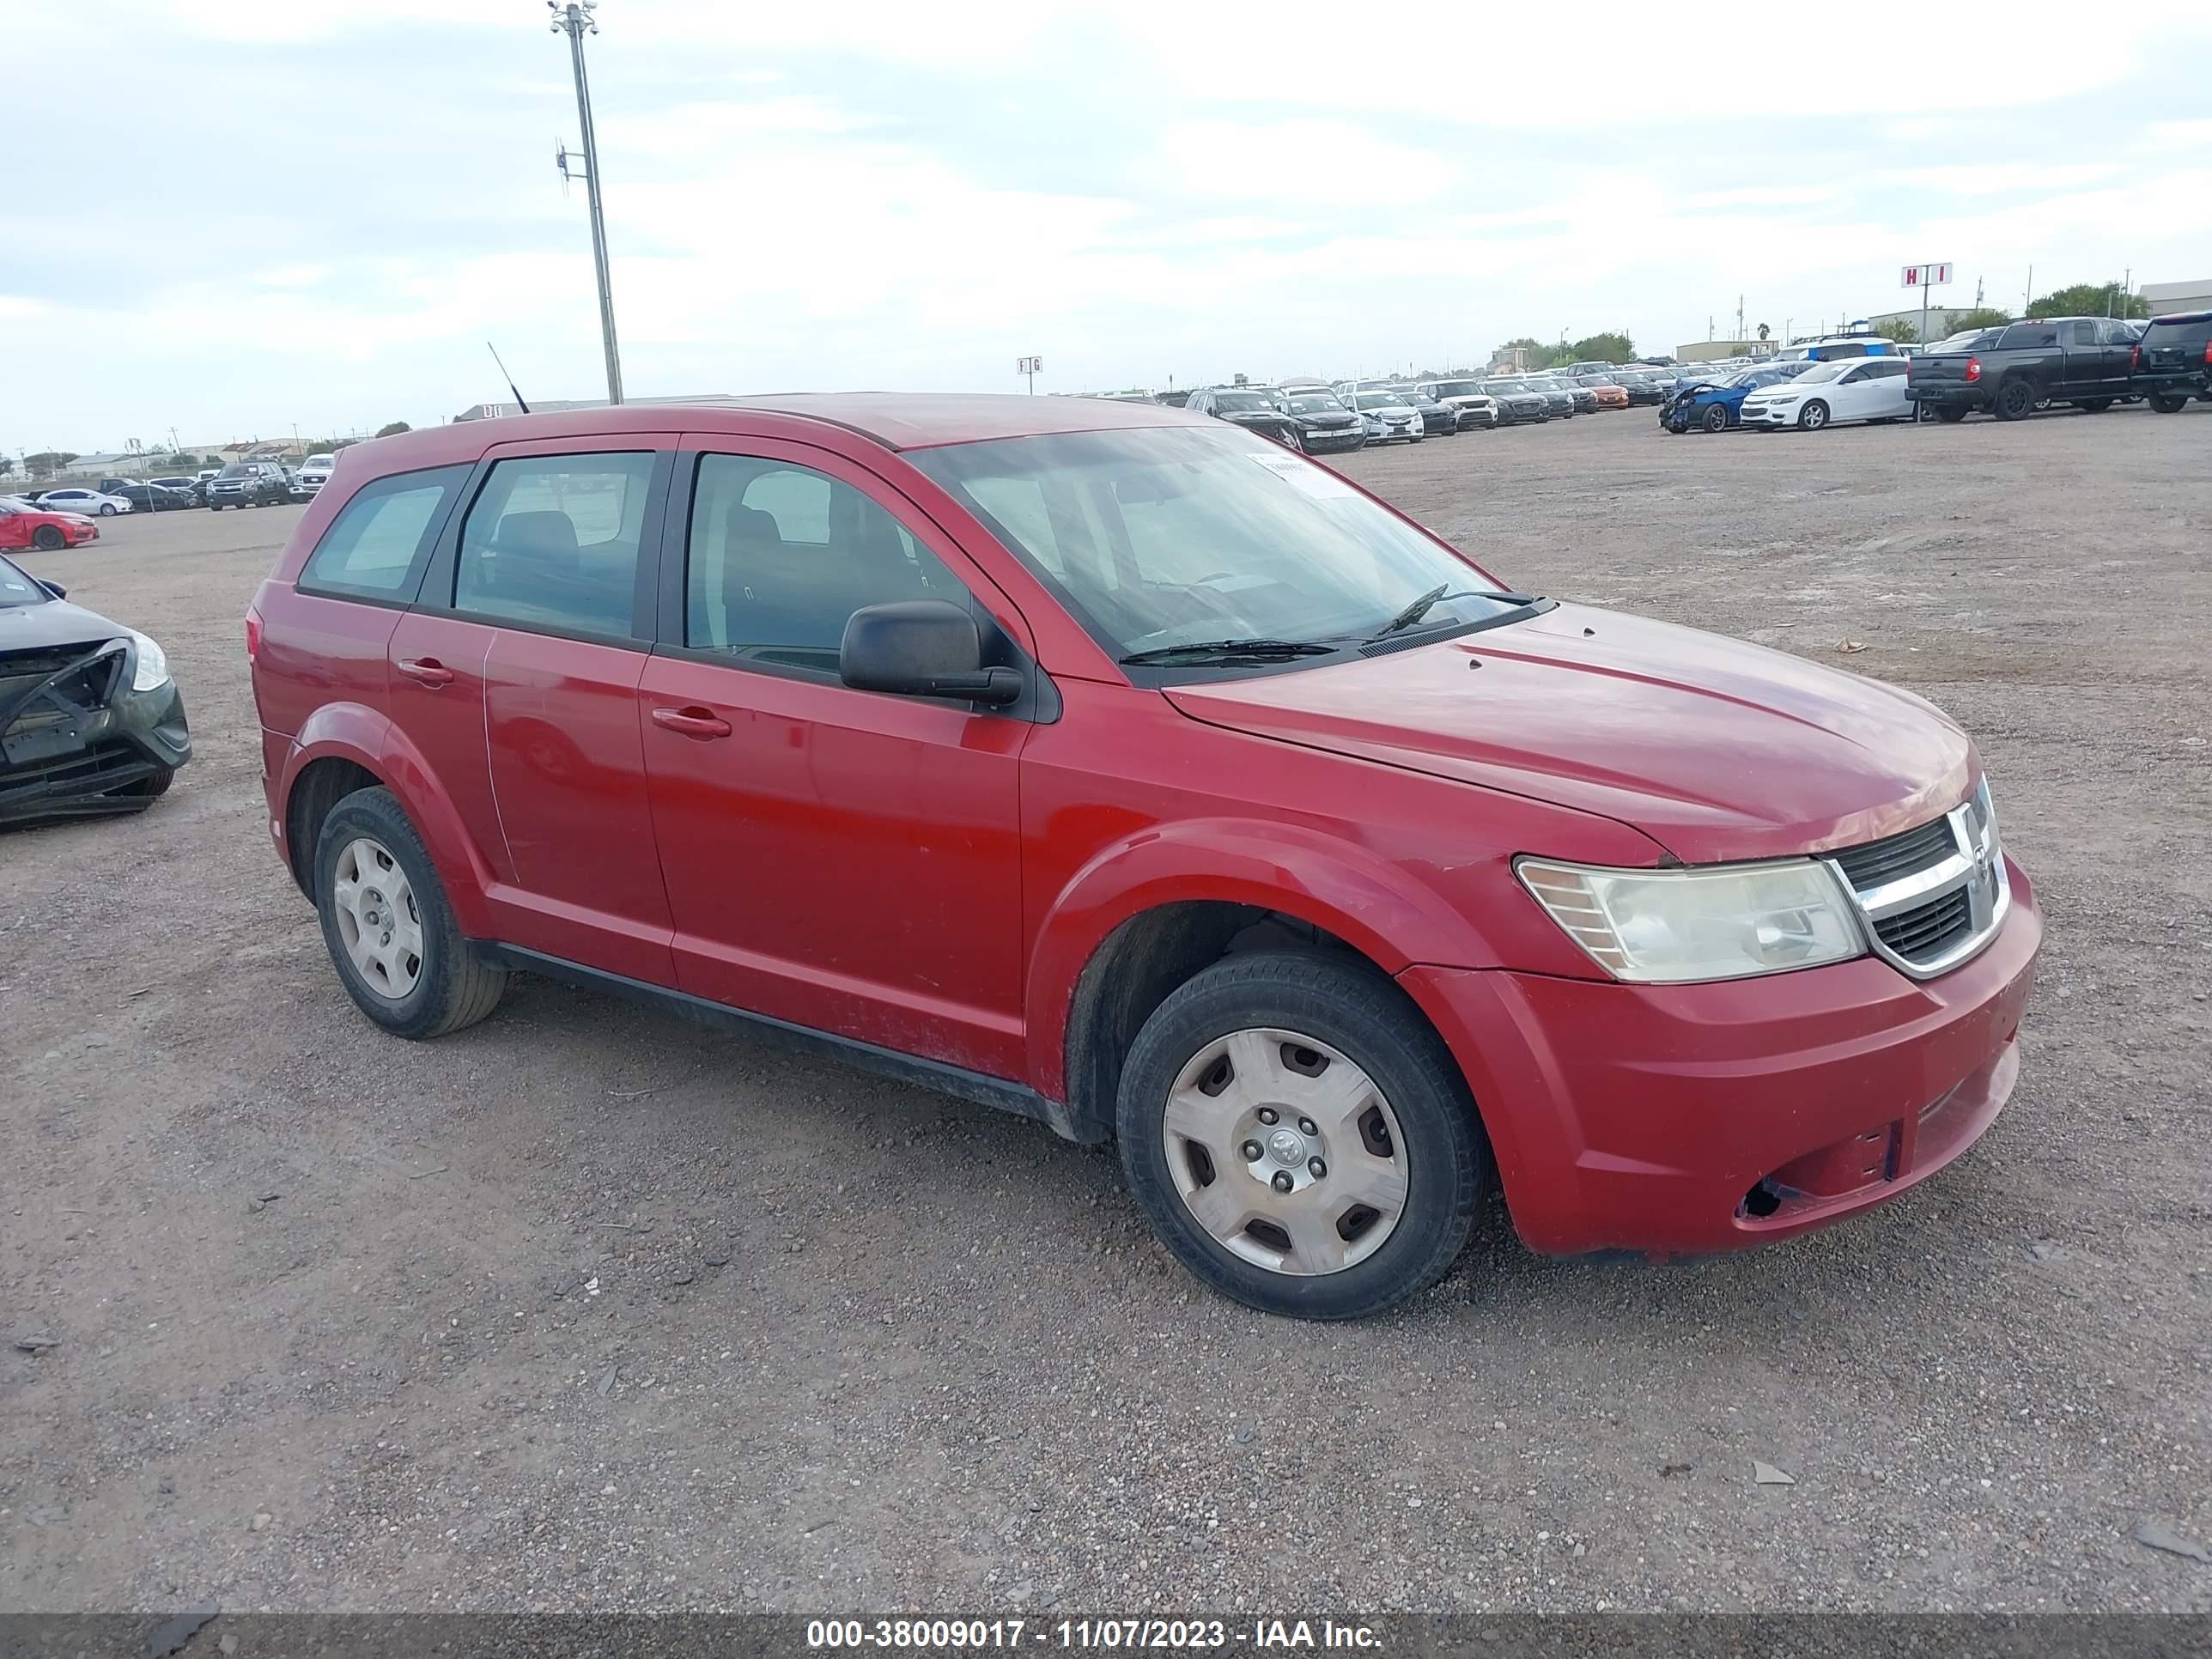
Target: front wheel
<point>107,509</point>
<point>1950,414</point>
<point>2169,405</point>
<point>48,539</point>
<point>1813,415</point>
<point>390,932</point>
<point>1715,419</point>
<point>1300,1137</point>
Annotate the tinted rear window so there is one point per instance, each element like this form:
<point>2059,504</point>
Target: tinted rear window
<point>377,546</point>
<point>2193,328</point>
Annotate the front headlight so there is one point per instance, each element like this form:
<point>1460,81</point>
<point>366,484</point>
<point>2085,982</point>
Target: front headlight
<point>1718,922</point>
<point>152,672</point>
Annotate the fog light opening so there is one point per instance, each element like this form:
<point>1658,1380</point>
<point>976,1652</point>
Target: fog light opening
<point>1762,1200</point>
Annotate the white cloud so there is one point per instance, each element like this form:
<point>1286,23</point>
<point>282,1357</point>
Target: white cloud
<point>1301,160</point>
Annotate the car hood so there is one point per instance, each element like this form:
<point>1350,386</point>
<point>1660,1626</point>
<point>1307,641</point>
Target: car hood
<point>1715,748</point>
<point>39,626</point>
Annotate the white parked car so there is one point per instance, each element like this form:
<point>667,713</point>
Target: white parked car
<point>1389,418</point>
<point>89,502</point>
<point>1848,389</point>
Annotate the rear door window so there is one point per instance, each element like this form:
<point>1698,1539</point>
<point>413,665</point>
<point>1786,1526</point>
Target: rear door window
<point>551,543</point>
<point>2028,334</point>
<point>378,545</point>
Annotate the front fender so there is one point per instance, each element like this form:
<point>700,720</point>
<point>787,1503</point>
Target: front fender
<point>369,738</point>
<point>1374,906</point>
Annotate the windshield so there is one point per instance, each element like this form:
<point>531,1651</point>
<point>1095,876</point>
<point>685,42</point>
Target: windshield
<point>1312,402</point>
<point>1242,403</point>
<point>319,460</point>
<point>1378,400</point>
<point>1828,371</point>
<point>16,588</point>
<point>1503,385</point>
<point>236,472</point>
<point>1169,536</point>
<point>1459,389</point>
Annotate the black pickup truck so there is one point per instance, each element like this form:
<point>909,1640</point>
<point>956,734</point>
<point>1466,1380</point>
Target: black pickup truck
<point>2083,360</point>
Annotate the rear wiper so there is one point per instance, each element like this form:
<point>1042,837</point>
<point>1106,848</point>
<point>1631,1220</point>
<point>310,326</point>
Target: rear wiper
<point>1258,650</point>
<point>1421,607</point>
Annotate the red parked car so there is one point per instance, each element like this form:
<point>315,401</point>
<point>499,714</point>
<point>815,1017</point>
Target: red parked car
<point>1119,767</point>
<point>25,527</point>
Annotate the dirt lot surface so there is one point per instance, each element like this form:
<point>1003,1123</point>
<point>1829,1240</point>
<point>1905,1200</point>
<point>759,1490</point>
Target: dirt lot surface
<point>587,1308</point>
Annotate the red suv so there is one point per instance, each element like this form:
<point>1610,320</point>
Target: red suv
<point>1123,769</point>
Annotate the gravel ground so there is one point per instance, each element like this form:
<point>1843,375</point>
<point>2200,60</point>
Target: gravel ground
<point>589,1309</point>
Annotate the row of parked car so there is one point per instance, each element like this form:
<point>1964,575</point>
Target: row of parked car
<point>243,483</point>
<point>2090,363</point>
<point>1325,419</point>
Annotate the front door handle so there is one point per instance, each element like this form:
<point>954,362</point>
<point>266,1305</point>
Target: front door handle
<point>692,722</point>
<point>426,670</point>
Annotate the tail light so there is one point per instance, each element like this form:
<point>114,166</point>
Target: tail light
<point>1973,368</point>
<point>2134,357</point>
<point>252,635</point>
<point>2208,353</point>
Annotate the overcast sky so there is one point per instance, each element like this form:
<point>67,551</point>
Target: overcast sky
<point>227,218</point>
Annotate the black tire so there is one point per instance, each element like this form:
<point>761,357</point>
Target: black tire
<point>1370,1021</point>
<point>107,509</point>
<point>48,539</point>
<point>2094,405</point>
<point>1716,418</point>
<point>1813,415</point>
<point>148,790</point>
<point>1950,414</point>
<point>2016,399</point>
<point>455,987</point>
<point>2169,405</point>
<point>215,506</point>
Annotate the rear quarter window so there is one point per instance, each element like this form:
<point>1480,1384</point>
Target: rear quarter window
<point>378,545</point>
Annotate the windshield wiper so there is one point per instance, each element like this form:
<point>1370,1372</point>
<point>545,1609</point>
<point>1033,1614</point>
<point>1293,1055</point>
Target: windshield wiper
<point>1257,650</point>
<point>1421,607</point>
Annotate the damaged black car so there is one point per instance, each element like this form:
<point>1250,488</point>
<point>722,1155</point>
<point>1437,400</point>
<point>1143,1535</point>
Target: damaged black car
<point>91,722</point>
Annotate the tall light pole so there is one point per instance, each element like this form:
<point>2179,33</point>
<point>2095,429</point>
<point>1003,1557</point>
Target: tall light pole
<point>573,19</point>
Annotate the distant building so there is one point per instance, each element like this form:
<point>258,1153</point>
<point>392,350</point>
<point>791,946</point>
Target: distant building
<point>2165,298</point>
<point>556,405</point>
<point>1939,320</point>
<point>1706,351</point>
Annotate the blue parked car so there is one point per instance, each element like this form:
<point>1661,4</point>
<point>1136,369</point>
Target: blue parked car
<point>1715,404</point>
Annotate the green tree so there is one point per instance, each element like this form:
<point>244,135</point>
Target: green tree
<point>392,428</point>
<point>1979,317</point>
<point>1601,348</point>
<point>2090,299</point>
<point>48,460</point>
<point>1903,332</point>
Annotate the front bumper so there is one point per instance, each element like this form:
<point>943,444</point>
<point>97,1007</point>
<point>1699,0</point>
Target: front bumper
<point>96,760</point>
<point>1688,1119</point>
<point>1752,414</point>
<point>1336,440</point>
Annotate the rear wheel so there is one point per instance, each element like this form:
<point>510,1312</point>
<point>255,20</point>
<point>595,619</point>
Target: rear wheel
<point>2095,406</point>
<point>2015,398</point>
<point>1299,1137</point>
<point>48,539</point>
<point>390,932</point>
<point>1950,414</point>
<point>1716,418</point>
<point>2169,405</point>
<point>1813,415</point>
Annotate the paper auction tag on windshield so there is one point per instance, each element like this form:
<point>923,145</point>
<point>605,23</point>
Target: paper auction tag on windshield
<point>1316,480</point>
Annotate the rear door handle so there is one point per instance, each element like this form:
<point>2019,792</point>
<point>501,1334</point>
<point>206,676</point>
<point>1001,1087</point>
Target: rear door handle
<point>426,670</point>
<point>692,722</point>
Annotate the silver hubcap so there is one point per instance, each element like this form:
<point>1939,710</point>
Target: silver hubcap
<point>378,922</point>
<point>1286,1152</point>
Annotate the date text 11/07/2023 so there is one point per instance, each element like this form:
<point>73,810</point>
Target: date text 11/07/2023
<point>1140,1635</point>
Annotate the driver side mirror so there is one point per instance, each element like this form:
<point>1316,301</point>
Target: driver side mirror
<point>55,589</point>
<point>922,648</point>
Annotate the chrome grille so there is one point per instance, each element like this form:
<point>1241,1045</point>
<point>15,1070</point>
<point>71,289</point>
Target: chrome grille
<point>1932,896</point>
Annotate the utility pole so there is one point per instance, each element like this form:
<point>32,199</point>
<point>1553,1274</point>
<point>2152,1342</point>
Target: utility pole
<point>573,19</point>
<point>1739,318</point>
<point>2028,297</point>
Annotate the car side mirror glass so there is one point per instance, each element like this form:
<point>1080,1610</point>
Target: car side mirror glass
<point>55,589</point>
<point>922,648</point>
